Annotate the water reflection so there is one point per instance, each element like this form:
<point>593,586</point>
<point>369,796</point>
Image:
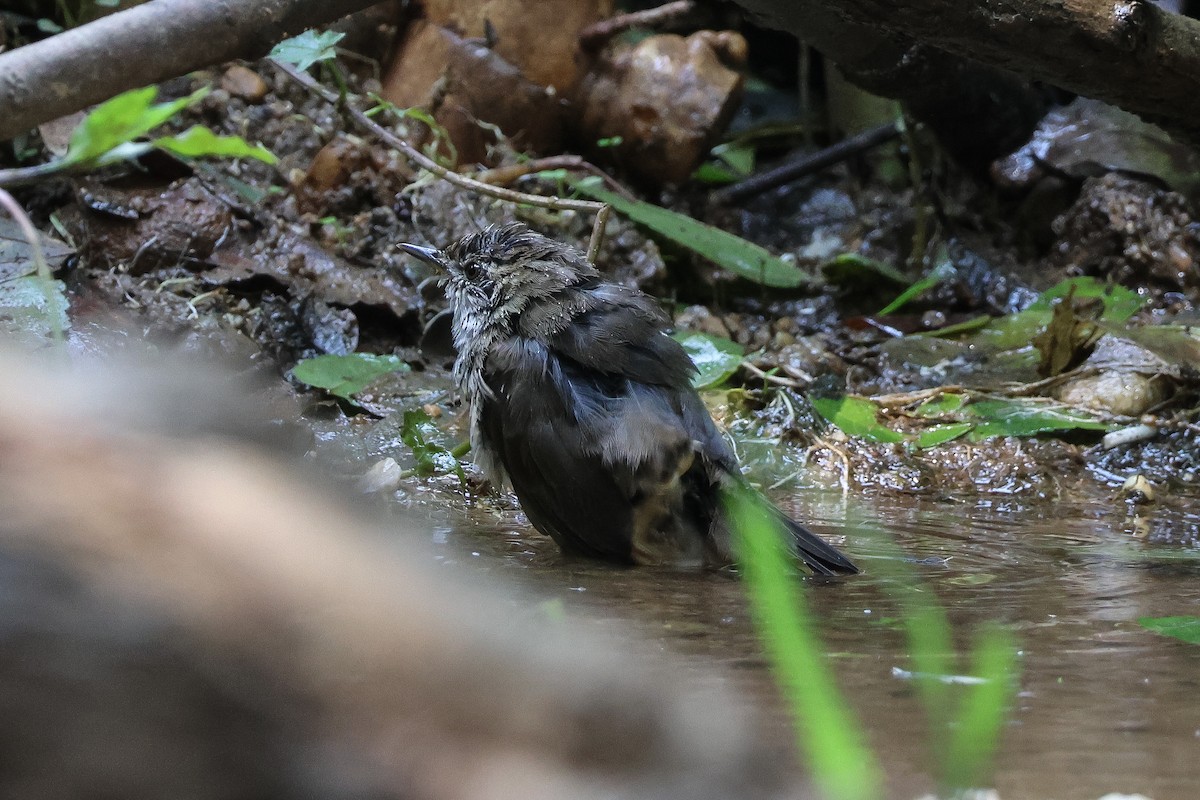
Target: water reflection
<point>1104,705</point>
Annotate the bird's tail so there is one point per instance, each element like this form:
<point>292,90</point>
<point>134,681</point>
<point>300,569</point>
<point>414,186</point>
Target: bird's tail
<point>817,554</point>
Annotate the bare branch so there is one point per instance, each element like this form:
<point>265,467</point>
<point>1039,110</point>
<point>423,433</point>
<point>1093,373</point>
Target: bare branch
<point>143,45</point>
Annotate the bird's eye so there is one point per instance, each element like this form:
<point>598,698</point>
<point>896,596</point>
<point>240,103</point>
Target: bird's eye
<point>471,270</point>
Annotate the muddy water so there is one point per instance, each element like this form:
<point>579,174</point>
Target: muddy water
<point>1104,706</point>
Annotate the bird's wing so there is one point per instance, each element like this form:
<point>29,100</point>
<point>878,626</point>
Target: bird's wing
<point>620,334</point>
<point>595,458</point>
<point>619,331</point>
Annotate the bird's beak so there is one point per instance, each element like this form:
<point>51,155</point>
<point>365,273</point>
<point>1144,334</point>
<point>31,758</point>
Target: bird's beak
<point>430,255</point>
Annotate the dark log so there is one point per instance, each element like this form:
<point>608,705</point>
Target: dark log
<point>931,53</point>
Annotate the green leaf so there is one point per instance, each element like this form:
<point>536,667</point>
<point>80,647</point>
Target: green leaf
<point>966,326</point>
<point>308,48</point>
<point>942,405</point>
<point>715,357</point>
<point>827,732</point>
<point>31,310</point>
<point>853,269</point>
<point>1017,330</point>
<point>727,251</point>
<point>855,416</point>
<point>199,141</point>
<point>118,122</point>
<point>420,434</point>
<point>346,376</point>
<point>940,434</point>
<point>713,174</point>
<point>1186,629</point>
<point>730,162</point>
<point>738,156</point>
<point>1026,418</point>
<point>1119,303</point>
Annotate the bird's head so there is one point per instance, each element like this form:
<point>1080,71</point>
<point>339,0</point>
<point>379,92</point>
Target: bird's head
<point>492,276</point>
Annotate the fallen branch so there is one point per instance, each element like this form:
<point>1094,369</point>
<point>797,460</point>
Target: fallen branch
<point>146,44</point>
<point>1126,52</point>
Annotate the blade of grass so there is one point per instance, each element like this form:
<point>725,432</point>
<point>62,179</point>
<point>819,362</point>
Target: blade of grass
<point>965,721</point>
<point>827,731</point>
<point>929,643</point>
<point>983,710</point>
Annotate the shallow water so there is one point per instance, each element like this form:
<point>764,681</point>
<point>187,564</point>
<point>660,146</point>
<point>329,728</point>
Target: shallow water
<point>1104,705</point>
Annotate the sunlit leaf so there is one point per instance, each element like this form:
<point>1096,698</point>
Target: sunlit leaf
<point>119,121</point>
<point>942,405</point>
<point>308,48</point>
<point>1119,303</point>
<point>715,357</point>
<point>1185,628</point>
<point>940,434</point>
<point>730,252</point>
<point>1068,339</point>
<point>1019,329</point>
<point>855,416</point>
<point>346,376</point>
<point>198,141</point>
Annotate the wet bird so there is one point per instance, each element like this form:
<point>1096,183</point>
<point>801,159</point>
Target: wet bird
<point>580,398</point>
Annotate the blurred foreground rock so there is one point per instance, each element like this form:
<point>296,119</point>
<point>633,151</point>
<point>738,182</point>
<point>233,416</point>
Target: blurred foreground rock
<point>181,617</point>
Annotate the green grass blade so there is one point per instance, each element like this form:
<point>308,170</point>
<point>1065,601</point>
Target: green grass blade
<point>929,642</point>
<point>828,733</point>
<point>984,709</point>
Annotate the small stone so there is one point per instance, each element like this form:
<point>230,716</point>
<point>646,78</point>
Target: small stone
<point>245,83</point>
<point>384,476</point>
<point>1138,490</point>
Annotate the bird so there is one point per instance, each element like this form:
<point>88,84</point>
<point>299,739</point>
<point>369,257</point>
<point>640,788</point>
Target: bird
<point>582,401</point>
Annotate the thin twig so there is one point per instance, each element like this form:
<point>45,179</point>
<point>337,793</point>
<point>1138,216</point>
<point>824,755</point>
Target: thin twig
<point>902,399</point>
<point>510,173</point>
<point>598,232</point>
<point>769,378</point>
<point>425,162</point>
<point>594,36</point>
<point>807,165</point>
